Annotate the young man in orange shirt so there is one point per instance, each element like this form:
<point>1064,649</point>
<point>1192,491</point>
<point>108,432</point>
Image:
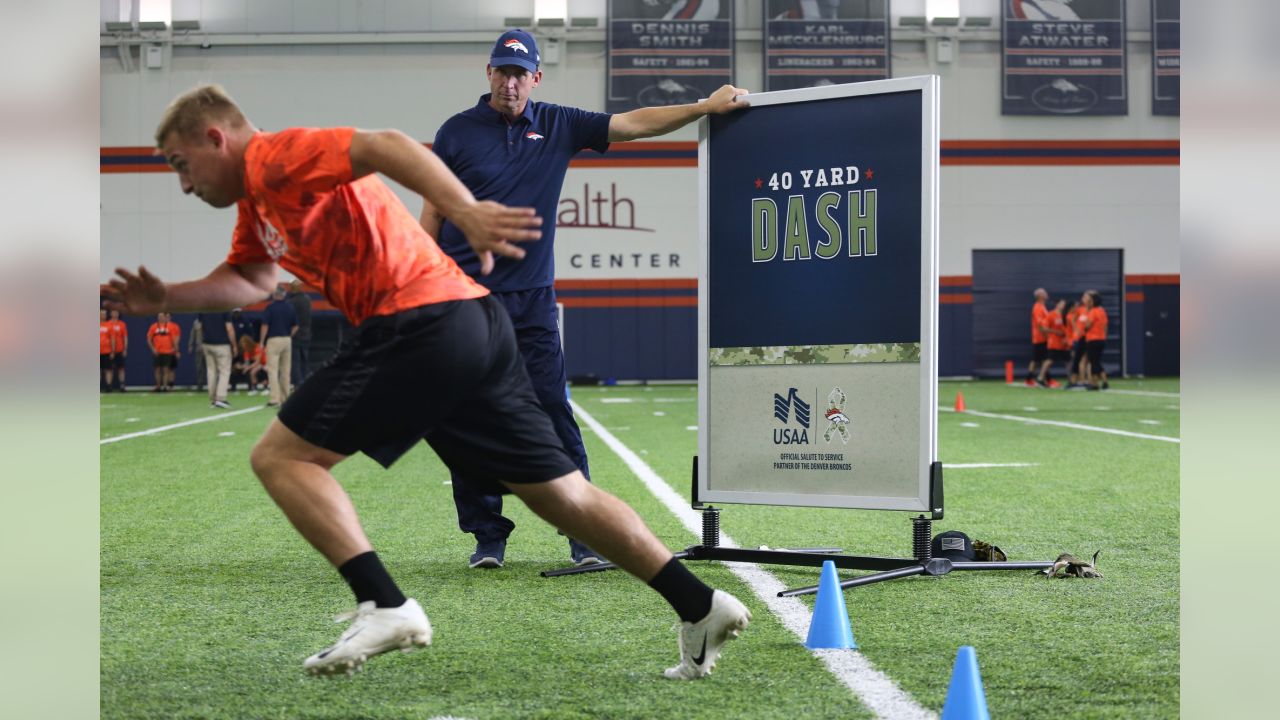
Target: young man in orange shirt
<point>120,332</point>
<point>162,338</point>
<point>1056,340</point>
<point>1039,341</point>
<point>434,357</point>
<point>1095,340</point>
<point>106,350</point>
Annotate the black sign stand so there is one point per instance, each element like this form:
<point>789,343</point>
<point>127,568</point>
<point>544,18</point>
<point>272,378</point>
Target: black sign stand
<point>923,562</point>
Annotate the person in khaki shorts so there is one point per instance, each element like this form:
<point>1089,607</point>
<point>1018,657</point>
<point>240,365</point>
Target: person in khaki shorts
<point>279,323</point>
<point>219,338</point>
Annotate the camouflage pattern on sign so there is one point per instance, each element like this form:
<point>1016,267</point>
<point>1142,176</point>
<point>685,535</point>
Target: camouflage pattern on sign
<point>767,355</point>
<point>817,354</point>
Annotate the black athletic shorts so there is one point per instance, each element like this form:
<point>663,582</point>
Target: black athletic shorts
<point>1093,348</point>
<point>120,361</point>
<point>1077,354</point>
<point>1039,352</point>
<point>449,374</point>
<point>1060,355</point>
<point>105,361</point>
<point>166,360</point>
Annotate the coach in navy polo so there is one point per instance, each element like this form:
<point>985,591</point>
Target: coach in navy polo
<point>512,150</point>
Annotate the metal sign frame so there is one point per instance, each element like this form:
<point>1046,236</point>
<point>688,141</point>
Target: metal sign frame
<point>929,92</point>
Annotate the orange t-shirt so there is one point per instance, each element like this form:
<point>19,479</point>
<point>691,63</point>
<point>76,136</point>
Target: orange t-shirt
<point>164,337</point>
<point>351,239</point>
<point>1082,314</point>
<point>1056,341</point>
<point>258,355</point>
<point>1039,318</point>
<point>120,332</point>
<point>104,337</point>
<point>1097,325</point>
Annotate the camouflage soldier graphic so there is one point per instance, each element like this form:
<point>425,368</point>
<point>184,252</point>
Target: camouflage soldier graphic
<point>837,421</point>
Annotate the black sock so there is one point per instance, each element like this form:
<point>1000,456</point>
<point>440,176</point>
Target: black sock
<point>689,596</point>
<point>369,581</point>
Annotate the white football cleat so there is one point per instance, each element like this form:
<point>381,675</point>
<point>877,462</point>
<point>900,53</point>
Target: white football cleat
<point>700,642</point>
<point>373,631</point>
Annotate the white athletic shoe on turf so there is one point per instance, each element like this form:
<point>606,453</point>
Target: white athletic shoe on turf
<point>700,642</point>
<point>373,631</point>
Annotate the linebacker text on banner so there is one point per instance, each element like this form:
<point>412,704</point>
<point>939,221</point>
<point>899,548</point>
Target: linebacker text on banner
<point>667,52</point>
<point>818,297</point>
<point>811,43</point>
<point>1064,58</point>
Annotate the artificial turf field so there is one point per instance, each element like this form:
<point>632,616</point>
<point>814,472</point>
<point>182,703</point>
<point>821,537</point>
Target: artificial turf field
<point>210,601</point>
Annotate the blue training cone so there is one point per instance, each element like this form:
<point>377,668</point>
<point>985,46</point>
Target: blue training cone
<point>965,697</point>
<point>830,626</point>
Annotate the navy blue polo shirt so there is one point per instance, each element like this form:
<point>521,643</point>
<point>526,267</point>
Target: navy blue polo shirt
<point>279,317</point>
<point>215,328</point>
<point>519,164</point>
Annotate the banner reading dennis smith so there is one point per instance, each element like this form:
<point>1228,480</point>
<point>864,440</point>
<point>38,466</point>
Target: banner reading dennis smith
<point>1064,57</point>
<point>667,52</point>
<point>1166,47</point>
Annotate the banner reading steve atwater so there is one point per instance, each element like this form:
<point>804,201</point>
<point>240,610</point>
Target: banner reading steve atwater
<point>1064,57</point>
<point>818,300</point>
<point>667,52</point>
<point>1166,63</point>
<point>810,43</point>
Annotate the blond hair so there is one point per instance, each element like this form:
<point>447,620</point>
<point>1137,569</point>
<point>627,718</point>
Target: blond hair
<point>192,111</point>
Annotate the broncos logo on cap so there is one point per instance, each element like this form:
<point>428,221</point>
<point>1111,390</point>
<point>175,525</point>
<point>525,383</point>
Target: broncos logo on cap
<point>514,44</point>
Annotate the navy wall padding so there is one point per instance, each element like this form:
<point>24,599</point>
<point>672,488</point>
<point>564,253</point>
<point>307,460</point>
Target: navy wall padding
<point>1161,324</point>
<point>1003,282</point>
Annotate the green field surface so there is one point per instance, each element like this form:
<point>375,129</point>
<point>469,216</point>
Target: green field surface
<point>210,601</point>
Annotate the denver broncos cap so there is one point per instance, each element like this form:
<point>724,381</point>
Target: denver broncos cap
<point>516,47</point>
<point>953,545</point>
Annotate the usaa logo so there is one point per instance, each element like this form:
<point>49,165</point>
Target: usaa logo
<point>791,410</point>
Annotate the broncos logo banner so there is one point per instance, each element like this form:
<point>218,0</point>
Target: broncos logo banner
<point>1064,57</point>
<point>667,52</point>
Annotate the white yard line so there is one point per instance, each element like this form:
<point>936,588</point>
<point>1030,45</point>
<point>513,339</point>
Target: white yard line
<point>1144,393</point>
<point>1059,423</point>
<point>185,423</point>
<point>875,689</point>
<point>973,466</point>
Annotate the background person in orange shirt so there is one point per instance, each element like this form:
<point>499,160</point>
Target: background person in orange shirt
<point>1056,339</point>
<point>252,363</point>
<point>120,332</point>
<point>1039,341</point>
<point>162,338</point>
<point>106,351</point>
<point>1095,340</point>
<point>434,358</point>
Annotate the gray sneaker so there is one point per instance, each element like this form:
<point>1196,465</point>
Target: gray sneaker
<point>700,642</point>
<point>373,631</point>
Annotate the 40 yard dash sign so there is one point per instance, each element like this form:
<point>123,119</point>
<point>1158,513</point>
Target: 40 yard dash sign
<point>818,297</point>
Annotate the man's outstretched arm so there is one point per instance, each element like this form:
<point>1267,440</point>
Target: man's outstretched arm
<point>228,286</point>
<point>489,226</point>
<point>653,121</point>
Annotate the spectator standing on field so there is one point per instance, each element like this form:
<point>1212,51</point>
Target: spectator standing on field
<point>106,351</point>
<point>1057,342</point>
<point>1039,341</point>
<point>120,332</point>
<point>163,337</point>
<point>219,339</point>
<point>1095,340</point>
<point>279,323</point>
<point>195,348</point>
<point>301,303</point>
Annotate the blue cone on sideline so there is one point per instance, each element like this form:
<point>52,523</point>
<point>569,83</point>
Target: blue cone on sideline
<point>965,697</point>
<point>830,625</point>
